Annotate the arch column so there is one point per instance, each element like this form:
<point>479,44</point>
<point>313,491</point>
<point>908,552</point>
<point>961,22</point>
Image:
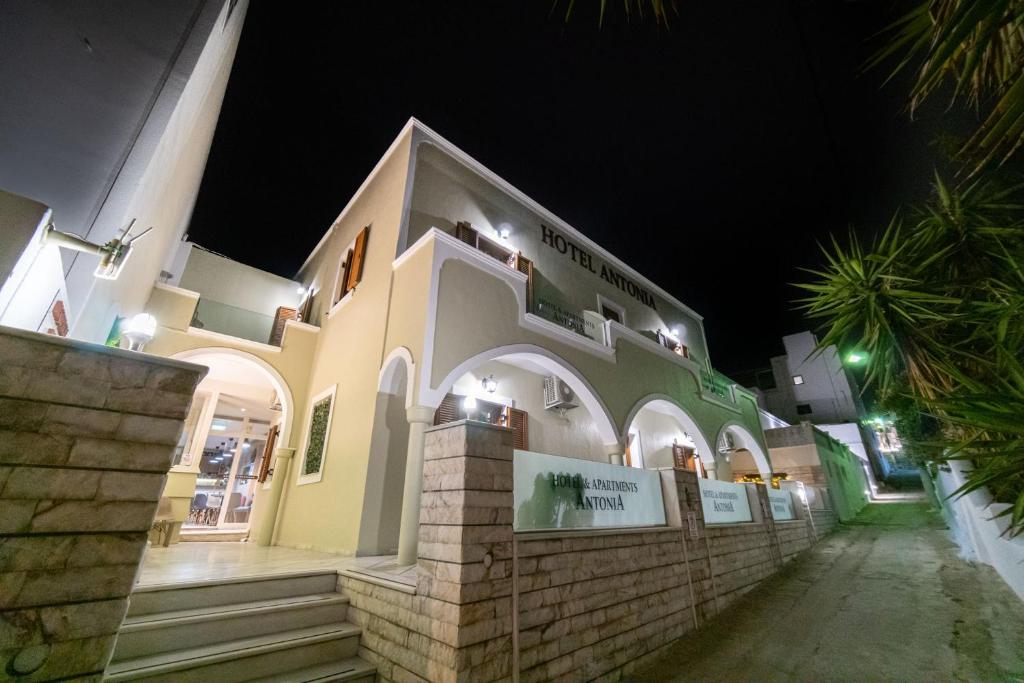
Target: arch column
<point>419,417</point>
<point>282,463</point>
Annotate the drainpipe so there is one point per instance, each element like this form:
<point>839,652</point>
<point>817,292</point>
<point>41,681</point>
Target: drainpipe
<point>282,462</point>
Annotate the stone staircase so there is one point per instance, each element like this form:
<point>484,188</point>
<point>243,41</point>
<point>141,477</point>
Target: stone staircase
<point>275,628</point>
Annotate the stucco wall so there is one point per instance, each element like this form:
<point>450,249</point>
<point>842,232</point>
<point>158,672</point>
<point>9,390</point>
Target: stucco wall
<point>470,299</point>
<point>445,193</point>
<point>657,432</point>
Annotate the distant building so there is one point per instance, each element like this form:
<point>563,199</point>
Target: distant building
<point>804,385</point>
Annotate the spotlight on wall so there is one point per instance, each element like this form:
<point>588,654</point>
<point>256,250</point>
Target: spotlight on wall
<point>301,291</point>
<point>140,331</point>
<point>504,230</point>
<point>469,405</point>
<point>489,384</point>
<point>675,333</point>
<point>113,254</point>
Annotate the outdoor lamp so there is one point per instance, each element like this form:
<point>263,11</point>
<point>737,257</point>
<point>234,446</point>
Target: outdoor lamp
<point>140,331</point>
<point>469,405</point>
<point>855,357</point>
<point>489,384</point>
<point>301,291</point>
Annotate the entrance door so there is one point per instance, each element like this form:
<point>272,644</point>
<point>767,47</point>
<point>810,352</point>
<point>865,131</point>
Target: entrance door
<point>230,464</point>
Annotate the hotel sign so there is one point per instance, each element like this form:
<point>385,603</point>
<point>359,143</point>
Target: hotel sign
<point>584,259</point>
<point>724,502</point>
<point>552,492</point>
<point>782,504</point>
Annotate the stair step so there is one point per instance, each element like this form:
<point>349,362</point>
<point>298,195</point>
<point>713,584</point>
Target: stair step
<point>247,658</point>
<point>353,669</point>
<point>149,634</point>
<point>216,592</point>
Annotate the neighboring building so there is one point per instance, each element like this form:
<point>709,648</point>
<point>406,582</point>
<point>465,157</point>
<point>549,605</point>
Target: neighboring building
<point>804,385</point>
<point>108,113</point>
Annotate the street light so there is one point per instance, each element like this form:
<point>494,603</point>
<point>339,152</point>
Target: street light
<point>856,357</point>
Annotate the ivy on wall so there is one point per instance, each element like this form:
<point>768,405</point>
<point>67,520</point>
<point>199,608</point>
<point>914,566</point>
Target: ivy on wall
<point>317,441</point>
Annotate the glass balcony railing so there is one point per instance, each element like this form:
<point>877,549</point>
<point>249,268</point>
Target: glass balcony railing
<point>227,319</point>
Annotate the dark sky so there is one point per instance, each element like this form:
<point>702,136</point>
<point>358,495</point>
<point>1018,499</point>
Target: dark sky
<point>711,156</point>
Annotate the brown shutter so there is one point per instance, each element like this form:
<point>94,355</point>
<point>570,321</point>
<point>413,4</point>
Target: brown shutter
<point>268,454</point>
<point>354,273</point>
<point>519,422</point>
<point>465,232</point>
<point>448,411</point>
<point>283,315</point>
<point>345,265</point>
<point>525,266</point>
<point>682,457</point>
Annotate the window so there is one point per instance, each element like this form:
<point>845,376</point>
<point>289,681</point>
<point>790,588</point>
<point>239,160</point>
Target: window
<point>350,270</point>
<point>318,431</point>
<point>452,409</point>
<point>798,379</point>
<point>803,408</point>
<point>610,310</point>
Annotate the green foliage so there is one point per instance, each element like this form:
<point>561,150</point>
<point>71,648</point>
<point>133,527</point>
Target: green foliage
<point>317,436</point>
<point>973,49</point>
<point>937,302</point>
<point>659,9</point>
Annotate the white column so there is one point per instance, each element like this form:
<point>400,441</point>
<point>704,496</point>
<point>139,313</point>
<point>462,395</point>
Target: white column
<point>419,417</point>
<point>282,460</point>
<point>614,451</point>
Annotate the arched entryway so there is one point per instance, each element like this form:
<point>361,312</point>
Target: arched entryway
<point>549,404</point>
<point>241,411</point>
<point>385,477</point>
<point>742,454</point>
<point>660,433</point>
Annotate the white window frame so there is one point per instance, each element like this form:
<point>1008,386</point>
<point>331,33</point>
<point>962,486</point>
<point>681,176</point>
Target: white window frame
<point>314,477</point>
<point>604,302</point>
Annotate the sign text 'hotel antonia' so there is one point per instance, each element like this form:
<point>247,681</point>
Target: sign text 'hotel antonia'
<point>585,259</point>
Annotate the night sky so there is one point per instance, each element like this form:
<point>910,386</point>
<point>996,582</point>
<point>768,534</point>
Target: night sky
<point>711,156</point>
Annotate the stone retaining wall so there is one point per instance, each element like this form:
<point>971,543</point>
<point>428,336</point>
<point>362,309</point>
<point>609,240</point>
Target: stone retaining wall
<point>86,438</point>
<point>567,605</point>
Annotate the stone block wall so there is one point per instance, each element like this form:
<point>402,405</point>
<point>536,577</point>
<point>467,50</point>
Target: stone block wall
<point>87,434</point>
<point>458,624</point>
<point>565,606</point>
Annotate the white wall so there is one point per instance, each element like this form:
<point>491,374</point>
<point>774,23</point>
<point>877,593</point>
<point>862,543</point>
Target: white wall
<point>979,535</point>
<point>236,284</point>
<point>573,436</point>
<point>849,434</point>
<point>114,115</point>
<point>657,434</point>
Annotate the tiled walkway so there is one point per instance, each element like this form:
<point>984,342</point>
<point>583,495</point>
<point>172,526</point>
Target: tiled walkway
<point>186,562</point>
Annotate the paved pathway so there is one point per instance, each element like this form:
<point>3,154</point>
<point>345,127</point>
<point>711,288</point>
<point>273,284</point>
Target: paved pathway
<point>884,599</point>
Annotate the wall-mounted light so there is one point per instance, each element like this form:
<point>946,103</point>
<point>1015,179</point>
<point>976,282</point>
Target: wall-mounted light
<point>489,384</point>
<point>469,405</point>
<point>301,291</point>
<point>140,330</point>
<point>504,233</point>
<point>113,254</point>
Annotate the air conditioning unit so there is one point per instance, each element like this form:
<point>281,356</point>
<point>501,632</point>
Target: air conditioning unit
<point>558,395</point>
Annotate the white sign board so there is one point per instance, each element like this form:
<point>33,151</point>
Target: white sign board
<point>552,492</point>
<point>724,502</point>
<point>782,504</point>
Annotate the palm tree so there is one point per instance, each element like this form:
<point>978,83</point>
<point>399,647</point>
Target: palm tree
<point>937,302</point>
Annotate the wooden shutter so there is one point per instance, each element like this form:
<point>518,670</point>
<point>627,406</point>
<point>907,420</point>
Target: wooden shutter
<point>268,454</point>
<point>682,457</point>
<point>525,266</point>
<point>465,232</point>
<point>448,411</point>
<point>343,277</point>
<point>283,315</point>
<point>519,422</point>
<point>354,272</point>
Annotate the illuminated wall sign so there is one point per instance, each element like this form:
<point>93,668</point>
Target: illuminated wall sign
<point>724,502</point>
<point>552,492</point>
<point>782,504</point>
<point>585,259</point>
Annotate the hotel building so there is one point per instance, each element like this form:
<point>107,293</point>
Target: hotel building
<point>440,293</point>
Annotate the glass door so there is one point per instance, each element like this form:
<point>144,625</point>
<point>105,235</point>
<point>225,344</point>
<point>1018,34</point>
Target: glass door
<point>229,465</point>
